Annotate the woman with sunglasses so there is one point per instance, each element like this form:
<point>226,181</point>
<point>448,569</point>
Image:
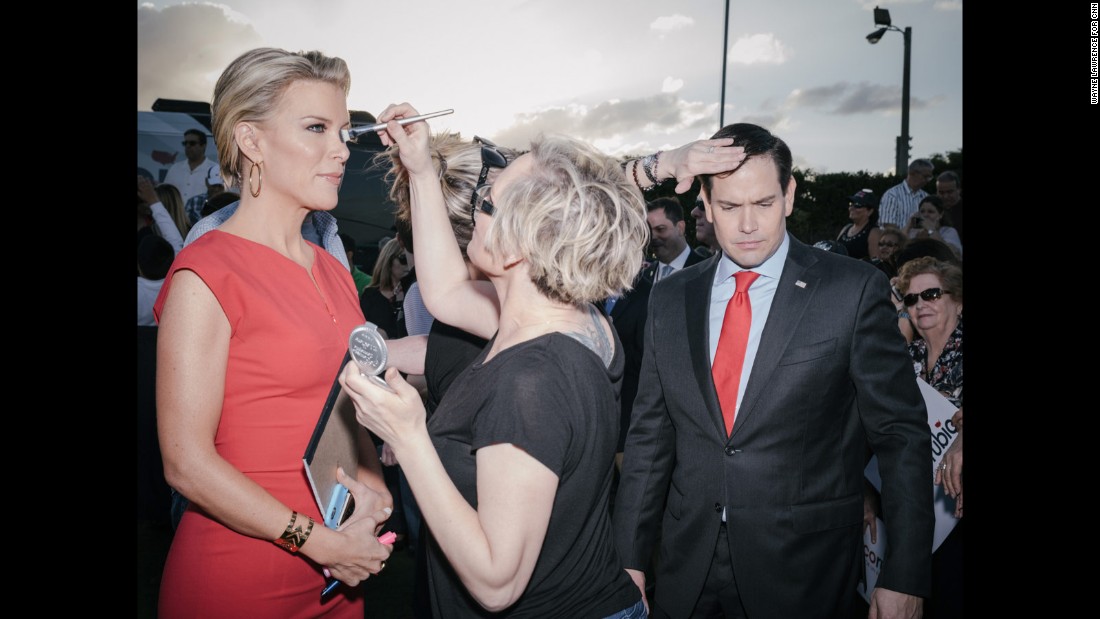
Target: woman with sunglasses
<point>513,471</point>
<point>891,242</point>
<point>933,295</point>
<point>861,237</point>
<point>254,321</point>
<point>381,300</point>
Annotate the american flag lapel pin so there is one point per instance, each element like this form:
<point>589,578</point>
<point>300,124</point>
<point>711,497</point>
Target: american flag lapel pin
<point>800,284</point>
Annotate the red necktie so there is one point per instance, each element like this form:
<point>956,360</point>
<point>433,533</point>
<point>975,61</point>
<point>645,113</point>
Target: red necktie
<point>729,359</point>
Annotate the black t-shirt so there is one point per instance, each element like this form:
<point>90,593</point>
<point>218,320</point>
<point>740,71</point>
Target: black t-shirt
<point>383,312</point>
<point>450,351</point>
<point>553,398</point>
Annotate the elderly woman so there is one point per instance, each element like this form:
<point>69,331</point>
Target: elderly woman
<point>254,321</point>
<point>513,471</point>
<point>927,223</point>
<point>933,294</point>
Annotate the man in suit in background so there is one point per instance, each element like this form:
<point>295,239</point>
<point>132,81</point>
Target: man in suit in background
<point>748,438</point>
<point>666,240</point>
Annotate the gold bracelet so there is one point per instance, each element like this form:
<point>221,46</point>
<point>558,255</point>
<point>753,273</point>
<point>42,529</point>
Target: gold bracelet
<point>293,538</point>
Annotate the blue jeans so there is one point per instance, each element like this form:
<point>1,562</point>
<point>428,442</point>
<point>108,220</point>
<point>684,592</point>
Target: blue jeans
<point>636,611</point>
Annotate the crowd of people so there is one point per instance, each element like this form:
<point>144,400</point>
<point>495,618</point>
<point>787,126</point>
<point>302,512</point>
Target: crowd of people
<point>584,415</point>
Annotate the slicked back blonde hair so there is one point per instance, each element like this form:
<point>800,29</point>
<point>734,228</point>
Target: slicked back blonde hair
<point>250,88</point>
<point>458,162</point>
<point>575,218</point>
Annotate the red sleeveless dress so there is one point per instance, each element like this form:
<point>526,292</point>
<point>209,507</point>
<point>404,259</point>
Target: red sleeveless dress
<point>288,339</point>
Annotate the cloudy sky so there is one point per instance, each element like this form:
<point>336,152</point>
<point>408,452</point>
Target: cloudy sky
<point>630,76</point>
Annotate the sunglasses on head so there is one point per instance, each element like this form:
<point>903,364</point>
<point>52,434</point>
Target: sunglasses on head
<point>491,157</point>
<point>928,294</point>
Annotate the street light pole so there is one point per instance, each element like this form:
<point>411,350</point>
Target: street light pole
<point>882,18</point>
<point>903,146</point>
<point>725,53</point>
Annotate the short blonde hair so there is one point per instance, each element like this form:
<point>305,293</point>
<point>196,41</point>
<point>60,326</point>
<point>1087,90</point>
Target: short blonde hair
<point>250,88</point>
<point>575,218</point>
<point>458,164</point>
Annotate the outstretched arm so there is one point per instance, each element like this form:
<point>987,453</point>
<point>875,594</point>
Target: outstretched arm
<point>445,285</point>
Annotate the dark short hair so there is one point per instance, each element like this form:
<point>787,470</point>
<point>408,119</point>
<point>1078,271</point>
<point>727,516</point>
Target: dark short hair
<point>154,257</point>
<point>934,200</point>
<point>757,142</point>
<point>219,202</point>
<point>949,177</point>
<point>199,134</point>
<point>673,210</point>
<point>404,233</point>
<point>349,243</point>
<point>919,248</point>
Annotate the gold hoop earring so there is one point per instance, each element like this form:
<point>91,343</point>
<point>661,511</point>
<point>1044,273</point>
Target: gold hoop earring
<point>260,184</point>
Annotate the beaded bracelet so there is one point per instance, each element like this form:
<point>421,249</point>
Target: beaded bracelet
<point>634,169</point>
<point>293,538</point>
<point>649,164</point>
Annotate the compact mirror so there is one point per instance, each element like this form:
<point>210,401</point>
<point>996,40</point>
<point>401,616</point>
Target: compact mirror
<point>368,350</point>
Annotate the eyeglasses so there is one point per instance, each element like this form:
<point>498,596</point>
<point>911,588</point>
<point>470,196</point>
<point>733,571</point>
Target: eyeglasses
<point>482,203</point>
<point>190,142</point>
<point>929,294</point>
<point>491,157</point>
<point>403,259</point>
<point>887,244</point>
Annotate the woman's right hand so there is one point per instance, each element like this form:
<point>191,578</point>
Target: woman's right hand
<point>411,139</point>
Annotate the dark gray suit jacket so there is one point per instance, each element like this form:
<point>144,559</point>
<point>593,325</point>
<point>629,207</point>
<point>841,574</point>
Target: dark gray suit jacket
<point>831,374</point>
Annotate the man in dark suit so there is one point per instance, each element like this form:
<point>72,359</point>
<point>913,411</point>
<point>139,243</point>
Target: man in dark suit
<point>756,483</point>
<point>628,314</point>
<point>666,240</point>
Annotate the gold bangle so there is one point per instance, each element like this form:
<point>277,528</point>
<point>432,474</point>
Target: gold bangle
<point>293,538</point>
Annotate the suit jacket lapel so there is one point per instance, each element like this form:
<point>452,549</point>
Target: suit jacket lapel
<point>788,305</point>
<point>697,313</point>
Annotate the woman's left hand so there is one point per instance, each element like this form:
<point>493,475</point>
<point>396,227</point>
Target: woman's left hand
<point>699,157</point>
<point>393,415</point>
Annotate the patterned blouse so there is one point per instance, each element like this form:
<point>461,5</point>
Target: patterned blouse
<point>947,375</point>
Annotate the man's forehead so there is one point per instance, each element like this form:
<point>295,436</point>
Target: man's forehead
<point>758,175</point>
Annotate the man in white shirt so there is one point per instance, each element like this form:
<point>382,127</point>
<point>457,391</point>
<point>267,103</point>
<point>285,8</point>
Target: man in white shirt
<point>666,227</point>
<point>189,176</point>
<point>901,201</point>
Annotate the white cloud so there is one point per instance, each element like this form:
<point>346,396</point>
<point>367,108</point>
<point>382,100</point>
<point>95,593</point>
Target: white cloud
<point>671,84</point>
<point>761,48</point>
<point>610,124</point>
<point>174,63</point>
<point>668,23</point>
